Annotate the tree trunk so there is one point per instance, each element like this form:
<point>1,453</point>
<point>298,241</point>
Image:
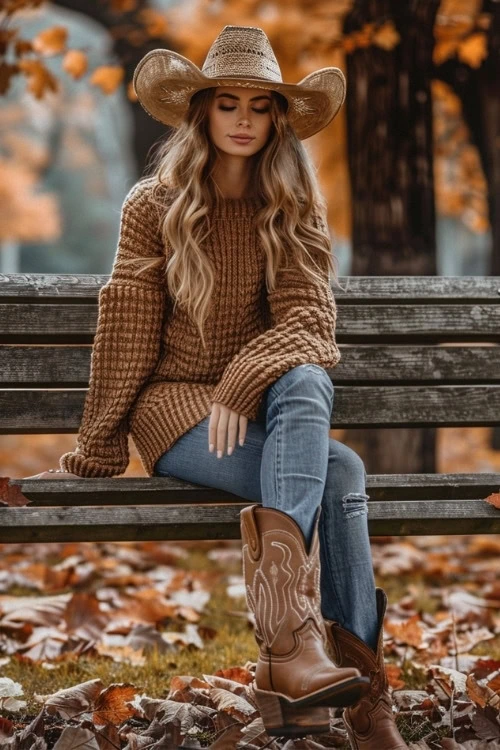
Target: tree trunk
<point>390,153</point>
<point>479,94</point>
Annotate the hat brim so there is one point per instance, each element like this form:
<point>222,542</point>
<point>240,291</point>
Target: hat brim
<point>164,82</point>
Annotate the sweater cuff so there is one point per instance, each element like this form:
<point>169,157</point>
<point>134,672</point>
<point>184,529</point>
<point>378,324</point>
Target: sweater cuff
<point>77,463</point>
<point>249,406</point>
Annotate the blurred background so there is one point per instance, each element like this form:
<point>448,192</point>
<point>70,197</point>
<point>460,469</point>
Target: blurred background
<point>410,168</point>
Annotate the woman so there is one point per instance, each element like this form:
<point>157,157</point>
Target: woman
<point>216,326</point>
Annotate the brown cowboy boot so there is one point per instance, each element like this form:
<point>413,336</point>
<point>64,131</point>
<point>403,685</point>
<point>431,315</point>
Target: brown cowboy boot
<point>295,681</point>
<point>370,723</point>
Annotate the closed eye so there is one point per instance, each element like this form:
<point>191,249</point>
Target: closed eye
<point>230,109</point>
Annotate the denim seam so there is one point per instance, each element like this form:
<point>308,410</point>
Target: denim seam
<point>277,465</point>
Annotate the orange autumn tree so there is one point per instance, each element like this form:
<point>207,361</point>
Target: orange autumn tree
<point>26,213</point>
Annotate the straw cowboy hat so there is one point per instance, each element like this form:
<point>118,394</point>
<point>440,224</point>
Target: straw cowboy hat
<point>165,81</point>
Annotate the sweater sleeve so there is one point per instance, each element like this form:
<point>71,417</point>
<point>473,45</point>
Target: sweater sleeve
<point>126,345</point>
<point>302,331</point>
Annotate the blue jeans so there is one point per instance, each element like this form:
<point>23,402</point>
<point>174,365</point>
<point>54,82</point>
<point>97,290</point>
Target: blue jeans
<point>289,461</point>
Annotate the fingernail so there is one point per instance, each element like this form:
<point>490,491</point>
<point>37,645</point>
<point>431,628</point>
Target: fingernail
<point>219,454</point>
<point>229,450</point>
<point>211,447</point>
<point>241,442</point>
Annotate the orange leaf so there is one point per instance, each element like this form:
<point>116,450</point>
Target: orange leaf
<point>386,36</point>
<point>155,22</point>
<point>478,694</point>
<point>410,632</point>
<point>107,78</point>
<point>238,674</point>
<point>473,50</point>
<point>51,41</point>
<point>443,50</point>
<point>39,78</point>
<point>131,92</point>
<point>393,674</point>
<point>75,63</point>
<point>110,706</point>
<point>494,499</point>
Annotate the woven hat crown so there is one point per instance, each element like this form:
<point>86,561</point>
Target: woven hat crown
<point>240,56</point>
<point>242,53</point>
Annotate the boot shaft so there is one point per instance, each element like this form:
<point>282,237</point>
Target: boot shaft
<point>282,579</point>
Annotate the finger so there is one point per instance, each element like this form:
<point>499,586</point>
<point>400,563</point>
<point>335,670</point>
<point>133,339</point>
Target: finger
<point>212,427</point>
<point>243,428</point>
<point>222,430</point>
<point>232,431</point>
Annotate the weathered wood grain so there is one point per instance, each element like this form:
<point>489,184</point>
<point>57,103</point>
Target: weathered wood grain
<point>143,523</point>
<point>170,490</point>
<point>69,323</point>
<point>28,412</point>
<point>462,289</point>
<point>69,366</point>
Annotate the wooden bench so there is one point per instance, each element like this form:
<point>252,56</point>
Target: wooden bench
<point>415,351</point>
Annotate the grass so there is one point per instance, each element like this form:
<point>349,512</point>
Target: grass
<point>233,645</point>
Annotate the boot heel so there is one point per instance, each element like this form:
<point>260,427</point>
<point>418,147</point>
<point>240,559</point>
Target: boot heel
<point>282,719</point>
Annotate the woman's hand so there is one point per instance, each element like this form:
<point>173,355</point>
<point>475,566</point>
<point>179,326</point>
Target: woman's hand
<point>224,422</point>
<point>54,474</point>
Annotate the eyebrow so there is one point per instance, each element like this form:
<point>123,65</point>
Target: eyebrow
<point>253,99</point>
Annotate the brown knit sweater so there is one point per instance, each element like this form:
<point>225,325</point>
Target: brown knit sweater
<point>149,374</point>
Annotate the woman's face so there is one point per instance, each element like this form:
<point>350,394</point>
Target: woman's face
<point>240,111</point>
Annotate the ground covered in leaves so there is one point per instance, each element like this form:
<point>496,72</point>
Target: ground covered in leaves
<point>150,645</point>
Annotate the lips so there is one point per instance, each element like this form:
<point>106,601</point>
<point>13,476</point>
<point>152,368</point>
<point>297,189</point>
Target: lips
<point>240,139</point>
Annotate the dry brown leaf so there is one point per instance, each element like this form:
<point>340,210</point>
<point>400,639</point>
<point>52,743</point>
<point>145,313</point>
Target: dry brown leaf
<point>75,63</point>
<point>234,705</point>
<point>6,72</point>
<point>11,494</point>
<point>180,682</point>
<point>494,499</point>
<point>479,694</point>
<point>228,739</point>
<point>410,632</point>
<point>393,675</point>
<point>22,47</point>
<point>111,705</point>
<point>77,737</point>
<point>51,41</point>
<point>71,702</point>
<point>238,674</point>
<point>40,79</point>
<point>107,77</point>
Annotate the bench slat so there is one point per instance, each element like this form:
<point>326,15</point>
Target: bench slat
<point>170,490</point>
<point>69,323</point>
<point>28,412</point>
<point>69,366</point>
<point>462,289</point>
<point>133,523</point>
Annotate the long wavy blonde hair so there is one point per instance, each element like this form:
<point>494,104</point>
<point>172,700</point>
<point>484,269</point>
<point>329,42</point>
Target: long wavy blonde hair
<point>291,223</point>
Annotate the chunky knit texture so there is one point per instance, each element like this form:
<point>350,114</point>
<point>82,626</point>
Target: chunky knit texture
<point>150,376</point>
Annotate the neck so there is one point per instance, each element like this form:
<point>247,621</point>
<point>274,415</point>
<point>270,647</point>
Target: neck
<point>232,176</point>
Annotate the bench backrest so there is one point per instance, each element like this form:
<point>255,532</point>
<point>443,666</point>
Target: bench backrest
<point>416,351</point>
